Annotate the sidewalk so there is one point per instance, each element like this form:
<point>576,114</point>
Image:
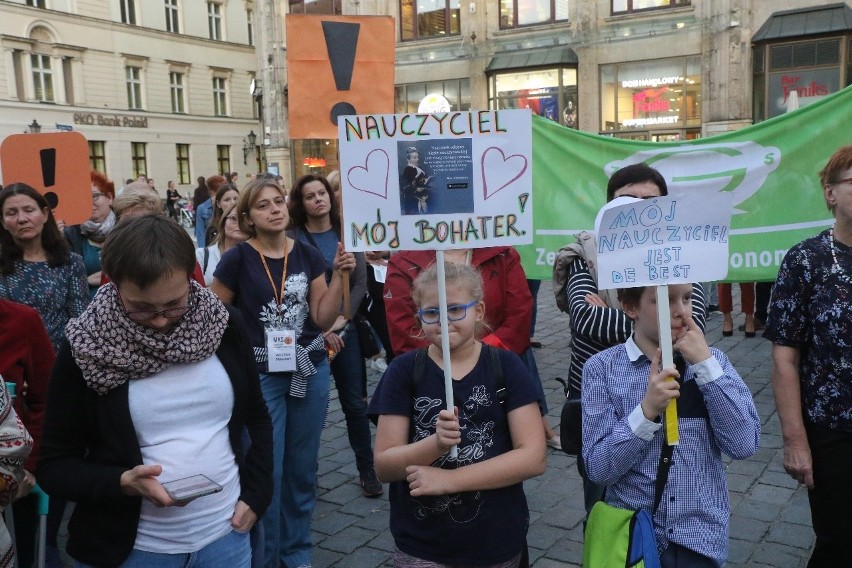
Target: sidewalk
<point>770,518</point>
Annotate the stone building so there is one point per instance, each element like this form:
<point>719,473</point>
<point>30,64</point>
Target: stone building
<point>160,88</point>
<point>657,70</point>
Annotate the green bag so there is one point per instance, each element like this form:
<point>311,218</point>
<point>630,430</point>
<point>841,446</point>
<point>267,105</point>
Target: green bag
<point>617,538</point>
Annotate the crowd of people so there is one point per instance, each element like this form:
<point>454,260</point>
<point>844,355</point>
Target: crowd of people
<point>176,391</point>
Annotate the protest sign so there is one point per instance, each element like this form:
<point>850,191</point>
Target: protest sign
<point>436,181</point>
<point>770,169</point>
<point>664,240</point>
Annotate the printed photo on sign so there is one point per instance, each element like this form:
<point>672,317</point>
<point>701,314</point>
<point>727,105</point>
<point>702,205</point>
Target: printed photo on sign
<point>436,177</point>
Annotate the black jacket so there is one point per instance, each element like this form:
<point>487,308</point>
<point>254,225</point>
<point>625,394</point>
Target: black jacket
<point>89,440</point>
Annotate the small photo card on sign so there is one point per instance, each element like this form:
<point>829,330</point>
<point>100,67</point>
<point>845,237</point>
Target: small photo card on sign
<point>663,240</point>
<point>436,181</point>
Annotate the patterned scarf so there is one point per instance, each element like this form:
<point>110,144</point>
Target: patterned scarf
<point>111,349</point>
<point>97,232</point>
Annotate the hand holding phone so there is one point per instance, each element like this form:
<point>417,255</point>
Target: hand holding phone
<point>190,488</point>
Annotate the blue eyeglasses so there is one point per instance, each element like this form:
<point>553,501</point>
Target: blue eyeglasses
<point>456,312</point>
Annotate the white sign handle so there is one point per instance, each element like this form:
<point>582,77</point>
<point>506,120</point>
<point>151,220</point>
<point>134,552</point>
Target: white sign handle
<point>445,338</point>
<point>664,320</point>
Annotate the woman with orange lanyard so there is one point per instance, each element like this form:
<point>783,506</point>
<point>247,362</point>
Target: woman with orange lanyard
<point>279,285</point>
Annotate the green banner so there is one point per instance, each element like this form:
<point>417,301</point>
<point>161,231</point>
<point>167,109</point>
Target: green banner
<point>770,168</point>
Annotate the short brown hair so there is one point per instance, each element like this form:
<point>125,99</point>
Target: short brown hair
<point>838,163</point>
<point>247,198</point>
<point>630,296</point>
<point>144,249</point>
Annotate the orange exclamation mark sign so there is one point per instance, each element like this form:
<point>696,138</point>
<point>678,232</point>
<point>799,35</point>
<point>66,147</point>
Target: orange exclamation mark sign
<point>341,40</point>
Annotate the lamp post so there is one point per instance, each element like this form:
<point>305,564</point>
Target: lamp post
<point>35,127</point>
<point>248,145</point>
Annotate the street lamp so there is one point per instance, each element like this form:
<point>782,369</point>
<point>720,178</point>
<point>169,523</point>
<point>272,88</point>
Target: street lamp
<point>35,127</point>
<point>248,145</point>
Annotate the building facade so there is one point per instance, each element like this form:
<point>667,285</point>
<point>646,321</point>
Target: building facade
<point>161,88</point>
<point>656,70</point>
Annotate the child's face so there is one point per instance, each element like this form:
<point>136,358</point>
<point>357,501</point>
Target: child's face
<point>644,316</point>
<point>460,331</point>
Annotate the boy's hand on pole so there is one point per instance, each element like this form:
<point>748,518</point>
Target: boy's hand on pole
<point>661,388</point>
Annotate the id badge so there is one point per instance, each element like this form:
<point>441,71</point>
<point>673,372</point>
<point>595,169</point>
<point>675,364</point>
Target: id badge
<point>281,346</point>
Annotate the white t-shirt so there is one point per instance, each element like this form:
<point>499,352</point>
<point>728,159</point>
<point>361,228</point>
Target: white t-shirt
<point>181,419</point>
<point>212,261</point>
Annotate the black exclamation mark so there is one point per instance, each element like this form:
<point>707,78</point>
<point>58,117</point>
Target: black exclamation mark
<point>341,40</point>
<point>48,174</point>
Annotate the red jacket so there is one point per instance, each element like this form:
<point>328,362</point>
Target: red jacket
<point>26,359</point>
<point>508,302</point>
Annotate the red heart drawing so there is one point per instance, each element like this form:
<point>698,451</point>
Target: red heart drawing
<point>364,178</point>
<point>500,171</point>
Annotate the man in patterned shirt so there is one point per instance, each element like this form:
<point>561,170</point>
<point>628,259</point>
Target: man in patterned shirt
<point>624,394</point>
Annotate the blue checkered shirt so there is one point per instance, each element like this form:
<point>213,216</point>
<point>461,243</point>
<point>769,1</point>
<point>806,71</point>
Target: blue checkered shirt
<point>621,448</point>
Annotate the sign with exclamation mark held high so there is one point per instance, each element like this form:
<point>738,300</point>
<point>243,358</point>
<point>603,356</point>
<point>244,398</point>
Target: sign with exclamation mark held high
<point>350,71</point>
<point>56,165</point>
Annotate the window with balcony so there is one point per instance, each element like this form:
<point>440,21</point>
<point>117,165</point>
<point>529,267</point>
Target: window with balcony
<point>182,157</point>
<point>423,19</point>
<point>133,76</point>
<point>42,78</point>
<point>214,20</point>
<point>315,7</point>
<point>128,11</point>
<point>629,6</point>
<point>220,96</point>
<point>172,16</point>
<point>518,13</point>
<point>177,92</point>
<point>139,159</point>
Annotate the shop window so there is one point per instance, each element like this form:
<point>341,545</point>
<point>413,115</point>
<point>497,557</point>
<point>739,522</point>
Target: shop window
<point>629,6</point>
<point>172,16</point>
<point>223,159</point>
<point>182,157</point>
<point>139,159</point>
<point>518,13</point>
<point>97,155</point>
<point>551,93</point>
<point>407,97</point>
<point>315,7</point>
<point>651,95</point>
<point>423,19</point>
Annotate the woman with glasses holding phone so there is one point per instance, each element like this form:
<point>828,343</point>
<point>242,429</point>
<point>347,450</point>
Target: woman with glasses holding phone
<point>156,383</point>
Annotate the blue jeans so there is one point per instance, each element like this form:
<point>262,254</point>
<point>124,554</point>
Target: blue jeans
<point>346,368</point>
<point>296,428</point>
<point>230,551</point>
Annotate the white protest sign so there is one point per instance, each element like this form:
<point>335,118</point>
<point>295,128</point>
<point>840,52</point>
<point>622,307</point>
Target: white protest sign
<point>663,240</point>
<point>436,181</point>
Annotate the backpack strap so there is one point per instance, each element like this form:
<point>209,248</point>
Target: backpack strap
<point>206,260</point>
<point>497,372</point>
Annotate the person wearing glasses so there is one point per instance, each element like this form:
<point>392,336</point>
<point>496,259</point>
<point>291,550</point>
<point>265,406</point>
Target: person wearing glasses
<point>597,320</point>
<point>88,238</point>
<point>228,235</point>
<point>810,326</point>
<point>155,383</point>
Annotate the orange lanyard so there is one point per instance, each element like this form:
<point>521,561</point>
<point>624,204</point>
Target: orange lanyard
<point>279,300</point>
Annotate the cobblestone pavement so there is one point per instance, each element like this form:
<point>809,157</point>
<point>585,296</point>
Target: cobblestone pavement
<point>770,518</point>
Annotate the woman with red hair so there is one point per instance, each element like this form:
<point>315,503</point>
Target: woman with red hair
<point>87,239</point>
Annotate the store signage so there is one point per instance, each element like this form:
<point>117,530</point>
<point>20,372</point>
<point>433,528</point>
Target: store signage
<point>810,85</point>
<point>118,120</point>
<point>652,82</point>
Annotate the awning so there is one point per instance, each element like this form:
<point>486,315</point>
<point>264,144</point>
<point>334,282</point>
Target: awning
<point>831,18</point>
<point>532,58</point>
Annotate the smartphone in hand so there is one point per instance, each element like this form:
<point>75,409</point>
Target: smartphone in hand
<point>189,488</point>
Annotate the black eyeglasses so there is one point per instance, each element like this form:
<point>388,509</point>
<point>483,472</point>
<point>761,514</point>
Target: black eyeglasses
<point>456,312</point>
<point>168,313</point>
